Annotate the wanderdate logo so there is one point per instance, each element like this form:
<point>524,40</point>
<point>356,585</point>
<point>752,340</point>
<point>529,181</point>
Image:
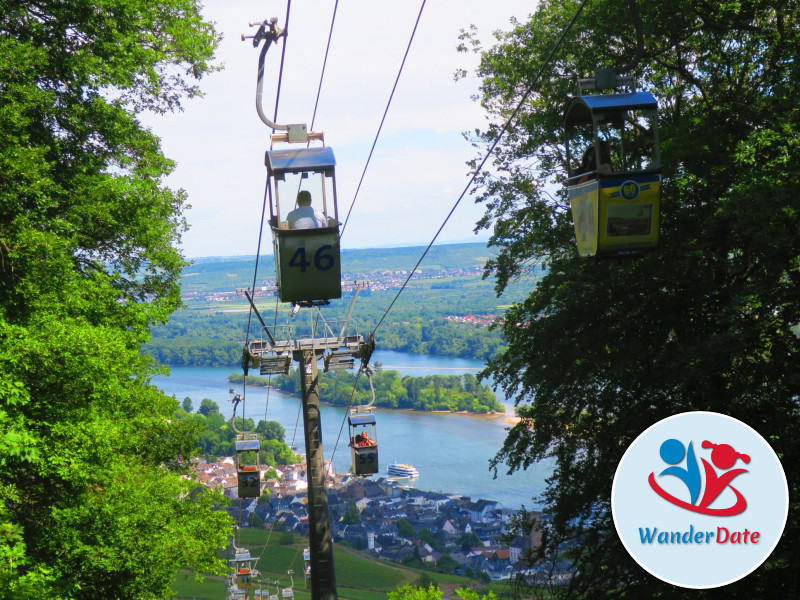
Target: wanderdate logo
<point>700,500</point>
<point>723,457</point>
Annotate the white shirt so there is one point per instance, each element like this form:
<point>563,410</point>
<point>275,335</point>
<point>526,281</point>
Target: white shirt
<point>306,217</point>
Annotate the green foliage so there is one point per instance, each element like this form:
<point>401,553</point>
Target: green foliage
<point>216,437</point>
<point>286,539</point>
<point>200,335</point>
<point>405,529</point>
<point>426,535</point>
<point>454,393</point>
<point>271,430</point>
<point>352,516</point>
<point>413,592</point>
<point>92,502</point>
<point>469,540</point>
<point>208,407</point>
<point>429,591</point>
<point>703,322</point>
<point>447,564</point>
<point>255,521</point>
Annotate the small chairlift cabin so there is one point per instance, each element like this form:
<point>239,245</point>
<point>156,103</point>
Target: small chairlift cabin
<point>288,592</point>
<point>614,178</point>
<point>363,442</point>
<point>244,571</point>
<point>248,465</point>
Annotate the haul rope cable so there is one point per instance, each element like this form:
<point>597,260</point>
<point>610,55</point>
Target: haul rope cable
<point>361,180</point>
<point>324,64</point>
<point>504,129</point>
<point>375,141</point>
<point>263,211</point>
<point>255,269</point>
<point>313,119</point>
<point>469,184</point>
<point>283,56</point>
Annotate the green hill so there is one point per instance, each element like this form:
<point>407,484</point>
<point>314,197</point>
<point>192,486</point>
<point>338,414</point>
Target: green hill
<point>358,576</point>
<point>423,320</point>
<point>218,274</point>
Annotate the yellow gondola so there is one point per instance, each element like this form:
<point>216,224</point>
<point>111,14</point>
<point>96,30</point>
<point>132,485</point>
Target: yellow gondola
<point>615,189</point>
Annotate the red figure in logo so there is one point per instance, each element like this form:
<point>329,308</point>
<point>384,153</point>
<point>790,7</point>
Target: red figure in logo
<point>723,456</point>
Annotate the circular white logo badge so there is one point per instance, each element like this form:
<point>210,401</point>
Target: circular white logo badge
<point>700,500</point>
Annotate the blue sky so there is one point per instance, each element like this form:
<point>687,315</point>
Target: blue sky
<point>418,168</point>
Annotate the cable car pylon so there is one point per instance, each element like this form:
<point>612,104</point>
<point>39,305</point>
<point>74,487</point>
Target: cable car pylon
<point>308,274</point>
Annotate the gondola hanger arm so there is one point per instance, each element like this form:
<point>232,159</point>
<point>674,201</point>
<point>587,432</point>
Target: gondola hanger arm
<point>270,33</point>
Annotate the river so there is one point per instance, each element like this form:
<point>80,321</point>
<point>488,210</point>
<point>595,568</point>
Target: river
<point>451,451</point>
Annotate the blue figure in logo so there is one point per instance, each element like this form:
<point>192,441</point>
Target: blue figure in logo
<point>672,452</point>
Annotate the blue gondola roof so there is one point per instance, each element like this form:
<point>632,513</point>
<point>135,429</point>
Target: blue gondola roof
<point>302,160</point>
<point>580,108</point>
<point>362,420</point>
<point>245,445</point>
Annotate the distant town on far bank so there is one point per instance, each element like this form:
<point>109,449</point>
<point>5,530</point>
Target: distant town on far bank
<point>445,309</point>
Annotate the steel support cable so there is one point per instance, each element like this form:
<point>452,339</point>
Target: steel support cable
<point>504,129</point>
<point>324,64</point>
<point>319,87</point>
<point>253,288</point>
<point>263,212</point>
<point>388,104</point>
<point>283,56</point>
<point>346,412</point>
<point>269,378</point>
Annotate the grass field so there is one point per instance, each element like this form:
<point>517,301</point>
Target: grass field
<point>358,576</point>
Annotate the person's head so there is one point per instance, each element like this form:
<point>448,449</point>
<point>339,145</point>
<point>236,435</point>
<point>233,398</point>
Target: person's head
<point>304,198</point>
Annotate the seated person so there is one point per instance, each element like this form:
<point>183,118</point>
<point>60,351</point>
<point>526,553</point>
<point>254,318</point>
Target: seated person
<point>365,440</point>
<point>305,216</point>
<point>357,440</point>
<point>588,162</point>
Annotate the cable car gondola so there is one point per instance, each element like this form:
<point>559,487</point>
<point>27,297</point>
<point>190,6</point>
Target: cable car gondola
<point>615,188</point>
<point>248,466</point>
<point>363,442</point>
<point>307,261</point>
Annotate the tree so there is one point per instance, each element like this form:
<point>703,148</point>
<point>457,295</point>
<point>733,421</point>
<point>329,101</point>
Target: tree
<point>286,539</point>
<point>271,430</point>
<point>255,521</point>
<point>274,452</point>
<point>352,516</point>
<point>468,540</point>
<point>704,321</point>
<point>92,502</point>
<point>427,536</point>
<point>208,407</point>
<point>187,404</point>
<point>446,564</point>
<point>432,592</point>
<point>405,529</point>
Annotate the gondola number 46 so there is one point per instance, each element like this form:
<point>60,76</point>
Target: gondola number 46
<point>323,259</point>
